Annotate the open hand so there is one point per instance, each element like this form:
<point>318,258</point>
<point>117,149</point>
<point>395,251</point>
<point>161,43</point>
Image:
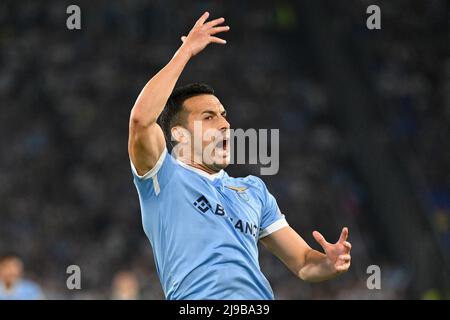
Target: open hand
<point>338,254</point>
<point>203,33</point>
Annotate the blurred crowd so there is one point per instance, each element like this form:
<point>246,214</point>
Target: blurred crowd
<point>413,83</point>
<point>66,191</point>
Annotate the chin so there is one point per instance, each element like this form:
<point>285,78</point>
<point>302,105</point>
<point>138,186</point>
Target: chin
<point>218,165</point>
<point>221,166</point>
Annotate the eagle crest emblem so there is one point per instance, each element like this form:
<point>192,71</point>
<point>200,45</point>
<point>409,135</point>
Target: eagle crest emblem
<point>240,191</point>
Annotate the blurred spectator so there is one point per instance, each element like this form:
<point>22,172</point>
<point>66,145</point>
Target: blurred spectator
<point>12,284</point>
<point>125,286</point>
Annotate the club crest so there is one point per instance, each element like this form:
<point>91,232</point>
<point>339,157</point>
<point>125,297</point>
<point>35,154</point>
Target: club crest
<point>240,191</point>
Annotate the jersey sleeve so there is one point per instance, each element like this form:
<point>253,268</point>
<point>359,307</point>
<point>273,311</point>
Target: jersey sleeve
<point>151,183</point>
<point>271,217</point>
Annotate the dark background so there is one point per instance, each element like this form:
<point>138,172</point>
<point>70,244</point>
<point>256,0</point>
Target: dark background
<point>363,116</point>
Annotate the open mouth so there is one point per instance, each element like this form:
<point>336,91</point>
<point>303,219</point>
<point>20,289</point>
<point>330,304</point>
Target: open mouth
<point>223,145</point>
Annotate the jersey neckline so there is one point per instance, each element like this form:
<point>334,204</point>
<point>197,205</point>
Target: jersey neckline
<point>210,176</point>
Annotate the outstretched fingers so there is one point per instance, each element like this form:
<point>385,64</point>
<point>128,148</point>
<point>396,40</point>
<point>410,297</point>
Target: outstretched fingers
<point>320,238</point>
<point>344,235</point>
<point>217,40</point>
<point>219,29</point>
<point>215,22</point>
<point>202,19</point>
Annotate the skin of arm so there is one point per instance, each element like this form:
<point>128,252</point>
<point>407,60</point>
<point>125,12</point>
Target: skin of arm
<point>306,263</point>
<point>146,140</point>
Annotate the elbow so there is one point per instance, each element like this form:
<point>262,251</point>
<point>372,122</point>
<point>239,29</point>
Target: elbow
<point>139,121</point>
<point>136,121</point>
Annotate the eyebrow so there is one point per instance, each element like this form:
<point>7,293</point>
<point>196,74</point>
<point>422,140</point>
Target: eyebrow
<point>223,113</point>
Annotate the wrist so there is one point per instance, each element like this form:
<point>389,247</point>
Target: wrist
<point>185,52</point>
<point>329,265</point>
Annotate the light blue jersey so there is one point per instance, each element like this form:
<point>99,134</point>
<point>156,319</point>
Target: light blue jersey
<point>22,290</point>
<point>204,230</point>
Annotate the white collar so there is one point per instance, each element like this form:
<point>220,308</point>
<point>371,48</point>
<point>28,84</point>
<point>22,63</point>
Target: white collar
<point>210,176</point>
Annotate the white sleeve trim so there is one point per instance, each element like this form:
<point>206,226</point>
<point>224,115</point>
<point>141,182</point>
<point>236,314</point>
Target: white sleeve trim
<point>277,225</point>
<point>152,171</point>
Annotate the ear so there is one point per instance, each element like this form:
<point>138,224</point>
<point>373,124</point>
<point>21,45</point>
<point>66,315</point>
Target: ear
<point>179,134</point>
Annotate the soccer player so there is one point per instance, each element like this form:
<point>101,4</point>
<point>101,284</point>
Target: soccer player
<point>203,225</point>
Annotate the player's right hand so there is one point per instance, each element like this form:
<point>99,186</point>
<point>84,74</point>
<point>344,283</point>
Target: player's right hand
<point>203,33</point>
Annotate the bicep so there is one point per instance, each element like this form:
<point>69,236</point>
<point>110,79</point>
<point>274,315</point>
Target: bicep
<point>145,146</point>
<point>288,246</point>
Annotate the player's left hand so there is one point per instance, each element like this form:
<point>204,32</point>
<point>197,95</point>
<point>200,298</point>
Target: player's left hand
<point>338,254</point>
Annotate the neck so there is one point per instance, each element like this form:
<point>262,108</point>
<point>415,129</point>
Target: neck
<point>200,166</point>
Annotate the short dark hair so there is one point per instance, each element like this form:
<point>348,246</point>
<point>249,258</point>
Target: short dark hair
<point>170,115</point>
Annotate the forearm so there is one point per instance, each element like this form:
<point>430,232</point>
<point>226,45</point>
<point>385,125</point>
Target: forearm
<point>153,97</point>
<point>316,267</point>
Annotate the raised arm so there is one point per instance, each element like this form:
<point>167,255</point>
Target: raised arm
<point>146,140</point>
<point>306,263</point>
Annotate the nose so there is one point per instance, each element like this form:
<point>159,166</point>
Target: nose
<point>224,125</point>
